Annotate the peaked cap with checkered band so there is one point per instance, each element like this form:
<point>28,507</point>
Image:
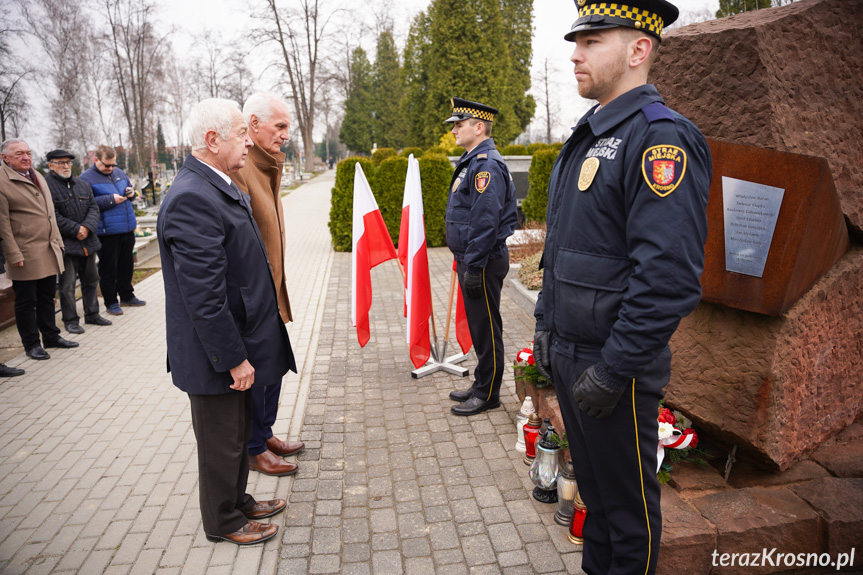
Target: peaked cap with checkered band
<point>649,16</point>
<point>464,109</point>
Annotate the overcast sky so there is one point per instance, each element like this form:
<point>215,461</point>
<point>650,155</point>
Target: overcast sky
<point>552,19</point>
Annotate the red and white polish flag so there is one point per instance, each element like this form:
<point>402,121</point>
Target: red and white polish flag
<point>462,330</point>
<point>372,245</point>
<point>413,254</point>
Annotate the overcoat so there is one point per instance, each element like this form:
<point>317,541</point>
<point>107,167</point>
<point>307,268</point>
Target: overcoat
<point>28,227</point>
<point>220,301</point>
<point>74,207</point>
<point>261,178</point>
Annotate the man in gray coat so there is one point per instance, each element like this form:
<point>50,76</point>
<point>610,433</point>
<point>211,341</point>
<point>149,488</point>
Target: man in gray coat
<point>77,218</point>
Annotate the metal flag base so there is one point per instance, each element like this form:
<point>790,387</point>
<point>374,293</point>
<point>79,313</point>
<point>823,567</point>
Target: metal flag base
<point>448,364</point>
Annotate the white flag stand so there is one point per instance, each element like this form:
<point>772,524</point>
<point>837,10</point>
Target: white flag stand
<point>448,364</point>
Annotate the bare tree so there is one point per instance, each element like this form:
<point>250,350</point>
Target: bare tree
<point>13,74</point>
<point>179,92</point>
<point>545,88</point>
<point>692,17</point>
<point>299,32</point>
<point>137,55</point>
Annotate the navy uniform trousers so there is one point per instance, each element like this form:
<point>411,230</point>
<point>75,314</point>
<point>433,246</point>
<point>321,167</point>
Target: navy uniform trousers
<point>615,464</point>
<point>486,328</point>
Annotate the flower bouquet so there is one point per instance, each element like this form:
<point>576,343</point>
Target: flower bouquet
<point>676,434</point>
<point>525,369</point>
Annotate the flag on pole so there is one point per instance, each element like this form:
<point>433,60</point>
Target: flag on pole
<point>413,254</point>
<point>462,331</point>
<point>372,245</point>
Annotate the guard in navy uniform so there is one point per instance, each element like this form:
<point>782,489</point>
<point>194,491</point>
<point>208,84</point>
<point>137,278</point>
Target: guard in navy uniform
<point>480,215</point>
<point>623,256</point>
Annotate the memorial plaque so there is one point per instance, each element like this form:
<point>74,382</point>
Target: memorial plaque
<point>809,236</point>
<point>751,211</point>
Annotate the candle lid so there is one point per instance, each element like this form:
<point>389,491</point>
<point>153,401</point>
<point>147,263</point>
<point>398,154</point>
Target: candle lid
<point>534,420</point>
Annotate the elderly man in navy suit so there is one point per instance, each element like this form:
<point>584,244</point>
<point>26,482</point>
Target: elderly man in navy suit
<point>224,333</point>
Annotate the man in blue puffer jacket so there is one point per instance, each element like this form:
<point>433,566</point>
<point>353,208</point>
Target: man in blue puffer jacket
<point>112,190</point>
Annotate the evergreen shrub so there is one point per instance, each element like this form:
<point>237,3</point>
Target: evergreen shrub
<point>456,151</point>
<point>416,151</point>
<point>390,191</point>
<point>341,201</point>
<point>382,154</point>
<point>436,173</point>
<point>534,205</point>
<point>535,147</point>
<point>514,150</point>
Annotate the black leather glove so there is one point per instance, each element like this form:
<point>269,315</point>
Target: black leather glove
<point>597,391</point>
<point>472,285</point>
<point>542,353</point>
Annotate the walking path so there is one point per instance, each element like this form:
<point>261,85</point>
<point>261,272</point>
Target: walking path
<point>98,466</point>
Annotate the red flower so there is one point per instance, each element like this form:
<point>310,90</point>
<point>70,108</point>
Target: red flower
<point>666,416</point>
<point>690,431</point>
<point>530,360</point>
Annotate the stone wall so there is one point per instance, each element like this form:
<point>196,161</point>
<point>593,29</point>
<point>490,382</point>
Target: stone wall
<point>787,78</point>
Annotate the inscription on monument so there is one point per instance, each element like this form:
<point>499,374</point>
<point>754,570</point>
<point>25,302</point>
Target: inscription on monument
<point>751,211</point>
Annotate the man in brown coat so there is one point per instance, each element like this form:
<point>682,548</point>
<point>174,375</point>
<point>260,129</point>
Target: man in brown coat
<point>32,246</point>
<point>268,121</point>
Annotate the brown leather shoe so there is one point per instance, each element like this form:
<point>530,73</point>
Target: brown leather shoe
<point>269,463</point>
<point>264,509</point>
<point>284,448</point>
<point>250,534</point>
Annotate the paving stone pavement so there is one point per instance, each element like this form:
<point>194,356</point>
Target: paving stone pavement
<point>98,465</point>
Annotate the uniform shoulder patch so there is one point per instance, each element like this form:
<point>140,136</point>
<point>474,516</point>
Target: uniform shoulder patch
<point>481,181</point>
<point>663,168</point>
<point>481,156</point>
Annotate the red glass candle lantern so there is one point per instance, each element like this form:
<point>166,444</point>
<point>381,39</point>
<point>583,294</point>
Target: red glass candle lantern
<point>579,514</point>
<point>531,432</point>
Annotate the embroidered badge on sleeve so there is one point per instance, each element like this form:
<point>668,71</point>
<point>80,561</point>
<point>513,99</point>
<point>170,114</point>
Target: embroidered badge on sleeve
<point>481,181</point>
<point>663,168</point>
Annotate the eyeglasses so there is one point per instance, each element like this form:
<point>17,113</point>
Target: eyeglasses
<point>61,163</point>
<point>107,165</point>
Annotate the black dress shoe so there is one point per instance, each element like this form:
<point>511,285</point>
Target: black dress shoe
<point>461,396</point>
<point>6,371</point>
<point>60,342</point>
<point>473,406</point>
<point>37,353</point>
<point>98,320</point>
<point>74,328</point>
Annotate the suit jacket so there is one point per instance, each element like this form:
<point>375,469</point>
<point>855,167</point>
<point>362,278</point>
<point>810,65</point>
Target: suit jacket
<point>261,178</point>
<point>28,227</point>
<point>220,301</point>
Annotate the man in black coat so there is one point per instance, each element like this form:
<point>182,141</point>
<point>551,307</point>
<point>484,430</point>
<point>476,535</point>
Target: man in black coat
<point>77,218</point>
<point>224,333</point>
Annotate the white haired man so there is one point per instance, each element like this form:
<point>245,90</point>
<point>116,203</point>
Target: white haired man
<point>261,176</point>
<point>224,333</point>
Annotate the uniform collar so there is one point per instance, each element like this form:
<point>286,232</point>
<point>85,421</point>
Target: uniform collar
<point>483,146</point>
<point>620,109</point>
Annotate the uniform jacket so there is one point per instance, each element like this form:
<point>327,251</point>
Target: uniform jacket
<point>74,207</point>
<point>480,211</point>
<point>113,218</point>
<point>220,302</point>
<point>28,227</point>
<point>261,178</point>
<point>625,246</point>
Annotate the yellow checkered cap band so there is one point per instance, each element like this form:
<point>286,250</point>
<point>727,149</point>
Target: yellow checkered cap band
<point>648,20</point>
<point>479,114</point>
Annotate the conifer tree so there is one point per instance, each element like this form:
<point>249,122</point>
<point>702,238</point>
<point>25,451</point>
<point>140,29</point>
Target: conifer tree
<point>729,7</point>
<point>388,91</point>
<point>358,130</point>
<point>415,80</point>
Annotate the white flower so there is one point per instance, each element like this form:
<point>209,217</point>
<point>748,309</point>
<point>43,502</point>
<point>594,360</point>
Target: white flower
<point>666,430</point>
<point>682,421</point>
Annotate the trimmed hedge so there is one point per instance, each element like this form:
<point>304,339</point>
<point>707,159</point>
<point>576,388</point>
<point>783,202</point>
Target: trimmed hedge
<point>456,151</point>
<point>382,154</point>
<point>388,185</point>
<point>342,200</point>
<point>514,150</point>
<point>417,152</point>
<point>535,147</point>
<point>534,205</point>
